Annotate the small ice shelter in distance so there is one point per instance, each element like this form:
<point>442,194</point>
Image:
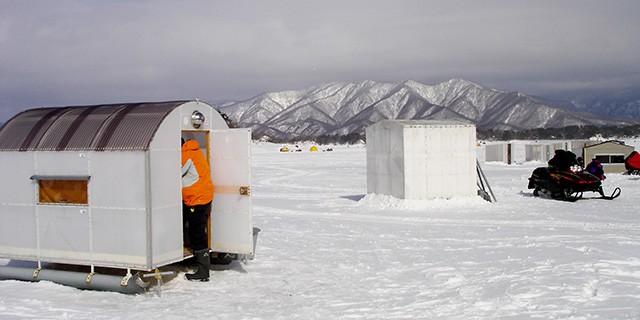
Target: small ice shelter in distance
<point>101,185</point>
<point>421,159</point>
<point>610,153</point>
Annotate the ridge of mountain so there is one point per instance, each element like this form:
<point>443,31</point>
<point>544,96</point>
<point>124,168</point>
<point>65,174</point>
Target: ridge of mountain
<point>341,108</point>
<point>624,104</point>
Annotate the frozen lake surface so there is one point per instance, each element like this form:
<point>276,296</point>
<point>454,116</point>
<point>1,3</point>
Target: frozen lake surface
<point>329,251</point>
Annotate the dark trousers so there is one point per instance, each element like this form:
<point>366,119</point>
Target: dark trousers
<point>196,218</point>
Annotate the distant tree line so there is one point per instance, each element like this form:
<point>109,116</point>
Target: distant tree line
<point>565,133</point>
<point>351,138</point>
<point>570,132</point>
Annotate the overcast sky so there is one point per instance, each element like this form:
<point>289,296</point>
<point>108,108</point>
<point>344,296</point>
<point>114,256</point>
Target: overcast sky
<point>57,53</point>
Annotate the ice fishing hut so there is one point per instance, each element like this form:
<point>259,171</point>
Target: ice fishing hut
<point>101,185</point>
<point>610,153</point>
<point>421,159</point>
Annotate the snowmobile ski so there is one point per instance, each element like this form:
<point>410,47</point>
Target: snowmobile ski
<point>616,193</point>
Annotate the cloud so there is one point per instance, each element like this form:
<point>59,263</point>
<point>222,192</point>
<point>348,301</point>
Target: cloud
<point>87,52</point>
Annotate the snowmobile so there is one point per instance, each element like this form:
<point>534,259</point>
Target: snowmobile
<point>565,180</point>
<point>566,185</point>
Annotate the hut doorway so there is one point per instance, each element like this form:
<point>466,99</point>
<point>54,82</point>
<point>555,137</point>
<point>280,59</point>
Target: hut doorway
<point>203,138</point>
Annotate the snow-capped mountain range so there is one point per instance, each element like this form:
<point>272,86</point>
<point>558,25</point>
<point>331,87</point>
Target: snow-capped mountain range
<point>624,104</point>
<point>341,108</point>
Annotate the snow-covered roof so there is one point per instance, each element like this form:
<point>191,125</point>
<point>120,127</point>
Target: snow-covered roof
<point>128,126</point>
<point>610,142</point>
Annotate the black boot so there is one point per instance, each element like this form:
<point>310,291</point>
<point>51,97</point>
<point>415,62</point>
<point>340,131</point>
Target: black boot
<point>203,263</point>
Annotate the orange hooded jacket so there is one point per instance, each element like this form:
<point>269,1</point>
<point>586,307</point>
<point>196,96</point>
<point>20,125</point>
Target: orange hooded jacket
<point>197,187</point>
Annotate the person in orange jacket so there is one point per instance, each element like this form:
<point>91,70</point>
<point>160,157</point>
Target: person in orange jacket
<point>197,195</point>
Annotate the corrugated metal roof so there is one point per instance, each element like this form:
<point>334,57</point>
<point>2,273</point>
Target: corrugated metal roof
<point>102,127</point>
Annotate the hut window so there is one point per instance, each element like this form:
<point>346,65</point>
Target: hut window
<point>63,190</point>
<point>610,158</point>
<point>615,158</point>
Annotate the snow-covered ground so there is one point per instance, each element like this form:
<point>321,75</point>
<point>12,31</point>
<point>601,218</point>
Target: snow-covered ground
<point>328,251</point>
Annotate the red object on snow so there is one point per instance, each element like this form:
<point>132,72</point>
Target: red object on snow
<point>632,162</point>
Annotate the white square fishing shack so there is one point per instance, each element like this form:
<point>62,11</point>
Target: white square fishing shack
<point>421,159</point>
<point>101,185</point>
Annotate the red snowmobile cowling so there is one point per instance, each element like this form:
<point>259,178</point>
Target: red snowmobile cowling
<point>632,163</point>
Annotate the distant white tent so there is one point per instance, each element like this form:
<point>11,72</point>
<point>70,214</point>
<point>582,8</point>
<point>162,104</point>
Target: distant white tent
<point>521,151</point>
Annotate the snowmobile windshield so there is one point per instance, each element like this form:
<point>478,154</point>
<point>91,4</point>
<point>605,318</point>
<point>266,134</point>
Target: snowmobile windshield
<point>564,160</point>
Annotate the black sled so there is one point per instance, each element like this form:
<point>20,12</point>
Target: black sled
<point>567,185</point>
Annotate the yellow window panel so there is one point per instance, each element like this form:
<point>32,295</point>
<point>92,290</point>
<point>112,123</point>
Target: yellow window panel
<point>63,191</point>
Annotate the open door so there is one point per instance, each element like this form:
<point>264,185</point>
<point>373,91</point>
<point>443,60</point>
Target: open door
<point>230,158</point>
